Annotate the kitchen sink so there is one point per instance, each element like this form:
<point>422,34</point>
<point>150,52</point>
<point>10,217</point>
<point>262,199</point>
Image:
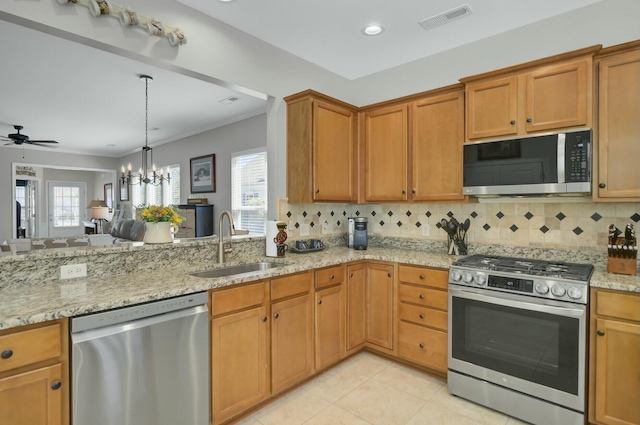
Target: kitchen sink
<point>237,270</point>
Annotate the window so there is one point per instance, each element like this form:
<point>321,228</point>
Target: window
<point>66,206</point>
<point>249,190</point>
<point>162,194</point>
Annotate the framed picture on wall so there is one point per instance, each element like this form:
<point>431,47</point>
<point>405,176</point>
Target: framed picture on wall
<point>203,174</point>
<point>124,191</point>
<point>108,194</point>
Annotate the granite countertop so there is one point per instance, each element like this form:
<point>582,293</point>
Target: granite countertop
<point>22,305</point>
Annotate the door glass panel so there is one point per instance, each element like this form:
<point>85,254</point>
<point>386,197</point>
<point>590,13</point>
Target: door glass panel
<point>66,206</point>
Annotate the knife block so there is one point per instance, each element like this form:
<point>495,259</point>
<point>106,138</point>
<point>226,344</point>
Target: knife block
<point>619,265</point>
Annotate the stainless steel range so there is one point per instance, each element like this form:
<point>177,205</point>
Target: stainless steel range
<point>517,336</point>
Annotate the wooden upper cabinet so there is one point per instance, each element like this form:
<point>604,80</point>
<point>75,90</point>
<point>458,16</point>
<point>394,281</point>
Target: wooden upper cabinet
<point>492,108</point>
<point>548,94</point>
<point>437,142</point>
<point>386,144</point>
<point>617,175</point>
<point>321,149</point>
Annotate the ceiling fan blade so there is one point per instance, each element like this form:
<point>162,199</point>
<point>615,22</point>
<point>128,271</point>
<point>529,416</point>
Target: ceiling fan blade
<point>44,143</point>
<point>6,139</point>
<point>41,141</point>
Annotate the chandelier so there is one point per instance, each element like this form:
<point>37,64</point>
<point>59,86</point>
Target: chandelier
<point>143,176</point>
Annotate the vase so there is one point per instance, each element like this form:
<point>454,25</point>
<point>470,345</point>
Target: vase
<point>159,232</point>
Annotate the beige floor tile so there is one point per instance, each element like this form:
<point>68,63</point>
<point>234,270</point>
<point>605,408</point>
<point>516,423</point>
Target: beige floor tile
<point>514,421</point>
<point>337,383</point>
<point>410,381</point>
<point>333,415</point>
<point>380,404</point>
<point>293,409</point>
<point>366,364</point>
<point>432,414</point>
<point>476,412</point>
<point>248,421</point>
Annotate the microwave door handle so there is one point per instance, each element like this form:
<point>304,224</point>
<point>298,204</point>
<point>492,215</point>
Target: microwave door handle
<point>561,157</point>
<point>496,299</point>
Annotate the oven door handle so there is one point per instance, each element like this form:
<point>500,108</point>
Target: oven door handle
<point>508,302</point>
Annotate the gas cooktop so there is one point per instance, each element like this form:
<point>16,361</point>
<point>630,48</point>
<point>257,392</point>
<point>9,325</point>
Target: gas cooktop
<point>542,268</point>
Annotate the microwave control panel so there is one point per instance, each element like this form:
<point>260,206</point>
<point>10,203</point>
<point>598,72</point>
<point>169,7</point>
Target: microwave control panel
<point>578,157</point>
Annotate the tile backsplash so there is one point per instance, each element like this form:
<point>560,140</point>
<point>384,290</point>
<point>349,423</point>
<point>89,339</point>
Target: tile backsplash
<point>567,225</point>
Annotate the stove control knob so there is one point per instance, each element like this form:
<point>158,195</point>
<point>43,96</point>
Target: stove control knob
<point>455,275</point>
<point>575,293</point>
<point>480,280</point>
<point>558,290</point>
<point>542,288</point>
<point>467,277</point>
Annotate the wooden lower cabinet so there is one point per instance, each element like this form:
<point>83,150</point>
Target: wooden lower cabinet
<point>356,312</point>
<point>329,326</point>
<point>423,345</point>
<point>379,305</point>
<point>614,371</point>
<point>291,330</point>
<point>34,384</point>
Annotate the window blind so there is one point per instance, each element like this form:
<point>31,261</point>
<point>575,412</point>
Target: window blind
<point>249,190</point>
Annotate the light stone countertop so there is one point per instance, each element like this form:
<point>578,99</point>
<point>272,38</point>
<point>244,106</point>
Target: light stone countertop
<point>22,305</point>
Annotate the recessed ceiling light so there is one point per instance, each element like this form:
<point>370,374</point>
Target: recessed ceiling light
<point>372,29</point>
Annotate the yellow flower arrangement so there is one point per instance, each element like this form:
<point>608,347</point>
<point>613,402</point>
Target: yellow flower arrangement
<point>160,213</point>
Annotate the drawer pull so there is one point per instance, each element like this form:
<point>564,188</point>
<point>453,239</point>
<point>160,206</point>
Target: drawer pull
<point>276,315</point>
<point>422,276</point>
<point>421,345</point>
<point>422,316</point>
<point>422,296</point>
<point>56,385</point>
<point>600,333</point>
<point>331,277</point>
<point>6,354</point>
<point>320,302</point>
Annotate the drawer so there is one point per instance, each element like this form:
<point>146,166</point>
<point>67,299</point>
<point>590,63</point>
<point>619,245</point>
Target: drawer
<point>233,299</point>
<point>424,346</point>
<point>618,304</point>
<point>330,276</point>
<point>436,278</point>
<point>423,316</point>
<point>423,296</point>
<point>290,285</point>
<point>32,346</point>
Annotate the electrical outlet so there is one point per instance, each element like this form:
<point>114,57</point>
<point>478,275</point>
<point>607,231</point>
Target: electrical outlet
<point>73,289</point>
<point>325,228</point>
<point>71,271</point>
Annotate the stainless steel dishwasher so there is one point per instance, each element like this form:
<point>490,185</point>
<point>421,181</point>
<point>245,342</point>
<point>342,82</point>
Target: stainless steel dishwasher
<point>142,365</point>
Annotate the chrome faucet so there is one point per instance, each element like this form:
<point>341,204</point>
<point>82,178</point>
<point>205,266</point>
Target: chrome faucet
<point>222,248</point>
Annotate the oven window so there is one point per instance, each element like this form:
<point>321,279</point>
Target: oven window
<point>538,347</point>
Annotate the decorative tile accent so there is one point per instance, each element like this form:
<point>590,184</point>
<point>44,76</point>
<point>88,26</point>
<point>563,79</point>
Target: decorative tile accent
<point>560,216</point>
<point>528,216</point>
<point>304,214</point>
<point>399,223</point>
<point>635,217</point>
<point>297,225</point>
<point>596,217</point>
<point>381,223</point>
<point>500,215</point>
<point>408,213</point>
<point>338,222</point>
<point>513,227</point>
<point>438,225</point>
<point>486,226</point>
<point>289,214</point>
<point>428,214</point>
<point>373,213</point>
<point>311,224</point>
<point>418,224</point>
<point>450,214</point>
<point>344,213</point>
<point>473,214</point>
<point>319,213</point>
<point>578,231</point>
<point>390,213</point>
<point>332,213</point>
<point>544,229</point>
<point>358,213</point>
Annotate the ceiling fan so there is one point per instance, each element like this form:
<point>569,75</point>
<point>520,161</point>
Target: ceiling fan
<point>22,139</point>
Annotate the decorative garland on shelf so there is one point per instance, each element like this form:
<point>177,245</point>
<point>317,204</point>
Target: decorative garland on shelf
<point>130,18</point>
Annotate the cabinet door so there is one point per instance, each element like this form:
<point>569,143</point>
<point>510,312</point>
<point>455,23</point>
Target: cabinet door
<point>333,152</point>
<point>386,154</point>
<point>617,372</point>
<point>29,398</point>
<point>356,312</point>
<point>619,132</point>
<point>492,108</point>
<point>556,97</point>
<point>423,345</point>
<point>379,304</point>
<point>330,326</point>
<point>438,136</point>
<point>291,342</point>
<point>239,362</point>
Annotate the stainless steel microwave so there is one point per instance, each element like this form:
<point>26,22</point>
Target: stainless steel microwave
<point>542,164</point>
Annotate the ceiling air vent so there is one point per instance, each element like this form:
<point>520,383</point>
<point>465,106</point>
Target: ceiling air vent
<point>446,17</point>
<point>228,100</point>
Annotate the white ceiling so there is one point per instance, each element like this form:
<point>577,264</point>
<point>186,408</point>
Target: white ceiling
<point>89,99</point>
<point>328,32</point>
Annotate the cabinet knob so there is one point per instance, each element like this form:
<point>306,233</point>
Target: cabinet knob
<point>529,120</point>
<point>421,345</point>
<point>422,296</point>
<point>6,354</point>
<point>422,316</point>
<point>351,275</point>
<point>56,385</point>
<point>264,319</point>
<point>331,277</point>
<point>317,190</point>
<point>413,191</point>
<point>276,315</point>
<point>602,185</point>
<point>404,192</point>
<point>513,122</point>
<point>388,274</point>
<point>600,333</point>
<point>320,302</point>
<point>422,276</point>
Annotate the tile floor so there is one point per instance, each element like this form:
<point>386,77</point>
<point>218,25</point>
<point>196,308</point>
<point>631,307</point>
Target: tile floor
<point>370,390</point>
